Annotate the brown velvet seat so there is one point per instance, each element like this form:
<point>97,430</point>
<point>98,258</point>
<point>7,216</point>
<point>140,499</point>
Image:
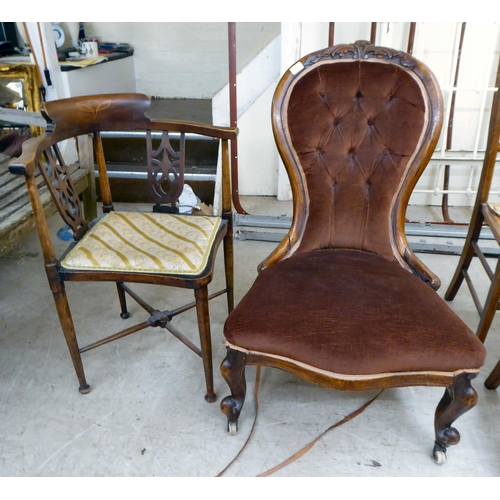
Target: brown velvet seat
<point>343,302</point>
<point>351,313</point>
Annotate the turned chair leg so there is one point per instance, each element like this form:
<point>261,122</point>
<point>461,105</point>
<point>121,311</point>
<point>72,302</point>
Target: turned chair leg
<point>457,400</point>
<point>68,329</point>
<point>233,371</point>
<point>123,300</point>
<point>202,312</point>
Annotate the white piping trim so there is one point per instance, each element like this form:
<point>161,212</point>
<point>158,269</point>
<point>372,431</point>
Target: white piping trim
<point>343,376</point>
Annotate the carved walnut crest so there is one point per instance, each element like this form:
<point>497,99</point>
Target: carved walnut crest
<point>362,49</point>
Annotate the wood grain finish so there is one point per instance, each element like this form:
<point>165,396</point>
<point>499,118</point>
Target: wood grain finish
<point>90,115</point>
<point>345,112</point>
<point>482,215</point>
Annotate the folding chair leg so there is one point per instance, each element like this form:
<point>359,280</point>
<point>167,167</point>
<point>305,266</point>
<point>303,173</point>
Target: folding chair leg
<point>493,380</point>
<point>68,329</point>
<point>229,268</point>
<point>202,312</point>
<point>123,301</point>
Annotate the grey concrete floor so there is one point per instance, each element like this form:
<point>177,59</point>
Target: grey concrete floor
<point>146,415</point>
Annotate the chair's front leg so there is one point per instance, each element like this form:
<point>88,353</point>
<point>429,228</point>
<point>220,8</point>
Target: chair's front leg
<point>202,312</point>
<point>457,400</point>
<point>68,328</point>
<point>233,371</point>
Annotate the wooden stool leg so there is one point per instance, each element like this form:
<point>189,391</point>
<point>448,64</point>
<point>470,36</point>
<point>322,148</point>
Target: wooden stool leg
<point>202,312</point>
<point>493,380</point>
<point>68,329</point>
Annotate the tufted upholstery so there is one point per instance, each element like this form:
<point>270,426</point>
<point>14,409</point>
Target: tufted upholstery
<point>342,301</point>
<point>354,141</point>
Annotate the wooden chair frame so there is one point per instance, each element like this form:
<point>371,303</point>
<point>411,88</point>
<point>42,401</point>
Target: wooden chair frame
<point>120,112</point>
<point>459,395</point>
<point>483,215</point>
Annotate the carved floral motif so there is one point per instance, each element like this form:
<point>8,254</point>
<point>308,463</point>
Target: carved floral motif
<point>362,49</point>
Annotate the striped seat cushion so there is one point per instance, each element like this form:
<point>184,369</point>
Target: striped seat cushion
<point>146,242</point>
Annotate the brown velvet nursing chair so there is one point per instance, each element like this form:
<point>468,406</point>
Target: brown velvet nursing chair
<point>343,302</point>
<point>157,247</point>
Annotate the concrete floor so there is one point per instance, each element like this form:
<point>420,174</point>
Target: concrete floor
<point>146,415</point>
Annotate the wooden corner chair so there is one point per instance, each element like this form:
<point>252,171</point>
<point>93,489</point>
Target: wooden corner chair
<point>343,302</point>
<point>485,213</point>
<point>158,248</point>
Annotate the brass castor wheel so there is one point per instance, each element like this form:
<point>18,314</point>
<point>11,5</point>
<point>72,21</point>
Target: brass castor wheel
<point>232,428</point>
<point>439,455</point>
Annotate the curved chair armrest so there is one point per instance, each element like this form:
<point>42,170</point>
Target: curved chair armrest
<point>420,269</point>
<point>31,149</point>
<point>229,133</point>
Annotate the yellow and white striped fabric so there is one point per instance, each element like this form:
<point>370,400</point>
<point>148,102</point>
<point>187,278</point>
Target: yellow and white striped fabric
<point>146,242</point>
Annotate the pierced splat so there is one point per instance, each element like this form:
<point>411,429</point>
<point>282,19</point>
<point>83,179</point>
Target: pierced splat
<point>165,169</point>
<point>56,176</point>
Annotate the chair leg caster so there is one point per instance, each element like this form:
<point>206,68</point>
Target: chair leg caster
<point>125,315</point>
<point>439,454</point>
<point>84,389</point>
<point>232,427</point>
<point>211,399</point>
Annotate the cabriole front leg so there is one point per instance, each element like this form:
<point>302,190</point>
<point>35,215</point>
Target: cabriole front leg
<point>457,400</point>
<point>233,371</point>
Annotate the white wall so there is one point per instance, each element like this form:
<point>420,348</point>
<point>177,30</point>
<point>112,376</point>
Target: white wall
<point>185,60</point>
<point>435,45</point>
<point>189,60</point>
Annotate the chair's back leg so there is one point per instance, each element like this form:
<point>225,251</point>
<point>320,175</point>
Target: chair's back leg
<point>493,380</point>
<point>467,253</point>
<point>228,215</point>
<point>107,202</point>
<point>123,300</point>
<point>229,267</point>
<point>490,305</point>
<point>86,159</point>
<point>203,315</point>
